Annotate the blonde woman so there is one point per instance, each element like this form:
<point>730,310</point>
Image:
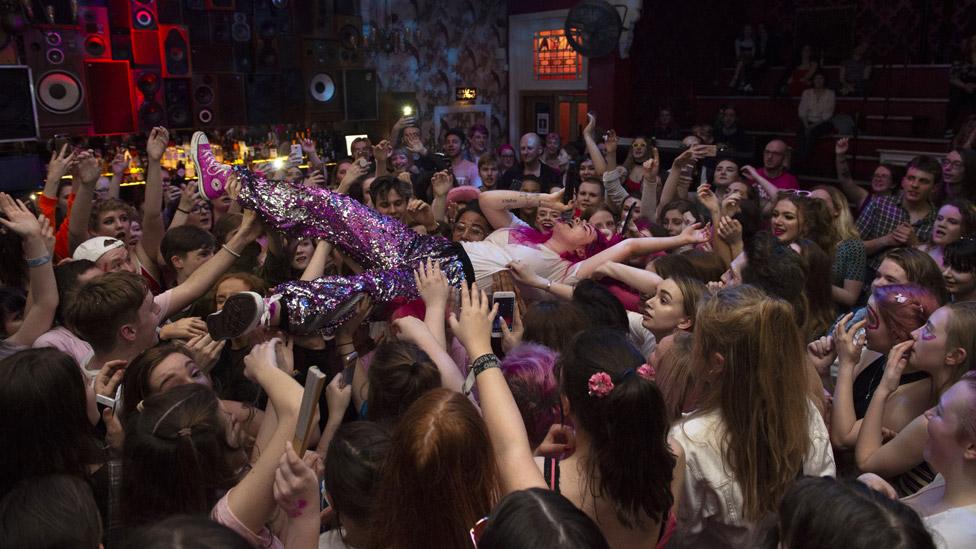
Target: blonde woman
<point>847,272</point>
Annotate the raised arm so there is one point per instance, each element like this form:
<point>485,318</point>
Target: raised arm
<point>767,191</point>
<point>905,450</point>
<point>413,330</point>
<point>434,290</point>
<point>844,425</point>
<point>631,247</point>
<point>318,261</point>
<point>152,204</point>
<point>497,205</point>
<point>649,184</point>
<point>854,192</point>
<point>441,183</point>
<point>381,152</point>
<point>509,439</point>
<point>43,288</point>
<point>252,499</point>
<point>207,274</point>
<point>677,185</point>
<point>87,171</point>
<point>61,161</point>
<point>611,143</point>
<point>599,163</point>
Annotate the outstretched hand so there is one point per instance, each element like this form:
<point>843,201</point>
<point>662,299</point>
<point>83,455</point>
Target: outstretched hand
<point>432,284</point>
<point>473,327</point>
<point>17,218</point>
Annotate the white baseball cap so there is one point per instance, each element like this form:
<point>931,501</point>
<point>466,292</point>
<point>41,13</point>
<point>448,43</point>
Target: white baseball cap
<point>94,248</point>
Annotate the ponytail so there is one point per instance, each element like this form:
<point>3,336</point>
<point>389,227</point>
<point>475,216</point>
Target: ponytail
<point>623,413</point>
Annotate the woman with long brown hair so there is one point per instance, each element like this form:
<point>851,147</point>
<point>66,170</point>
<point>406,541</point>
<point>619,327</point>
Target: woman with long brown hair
<point>756,429</point>
<point>439,477</point>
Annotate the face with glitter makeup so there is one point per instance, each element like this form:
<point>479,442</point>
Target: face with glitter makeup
<point>929,352</point>
<point>876,334</point>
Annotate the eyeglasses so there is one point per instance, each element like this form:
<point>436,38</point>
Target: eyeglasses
<point>797,192</point>
<point>946,163</point>
<point>478,529</point>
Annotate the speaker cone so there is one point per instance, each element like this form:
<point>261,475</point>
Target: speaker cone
<point>322,88</point>
<point>60,92</point>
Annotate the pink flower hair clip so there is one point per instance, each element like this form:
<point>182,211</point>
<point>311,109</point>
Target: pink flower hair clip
<point>646,371</point>
<point>600,384</point>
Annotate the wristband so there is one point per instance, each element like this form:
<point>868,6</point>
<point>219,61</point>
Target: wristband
<point>39,261</point>
<point>480,364</point>
<point>230,251</point>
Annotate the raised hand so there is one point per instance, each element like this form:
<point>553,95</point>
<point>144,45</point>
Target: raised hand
<point>554,201</point>
<point>61,161</point>
<point>473,327</point>
<point>410,329</point>
<point>415,144</point>
<point>652,166</point>
<point>296,487</point>
<point>119,163</point>
<point>205,350</point>
<point>730,204</point>
<point>262,355</point>
<point>821,353</point>
<point>441,182</point>
<point>590,128</point>
<point>432,284</point>
<point>109,376</point>
<point>729,230</point>
<point>420,213</point>
<point>749,172</point>
<point>315,179</point>
<point>849,344</point>
<point>184,328</point>
<point>842,146</point>
<point>382,150</point>
<point>17,218</point>
<point>611,141</point>
<point>707,198</point>
<point>897,360</point>
<point>87,168</point>
<point>47,233</point>
<point>695,234</point>
<point>158,141</point>
<point>308,146</point>
<point>512,337</point>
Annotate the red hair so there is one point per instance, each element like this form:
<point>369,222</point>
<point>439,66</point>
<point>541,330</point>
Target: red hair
<point>527,236</point>
<point>439,478</point>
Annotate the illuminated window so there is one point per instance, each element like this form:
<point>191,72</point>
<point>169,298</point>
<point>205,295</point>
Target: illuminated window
<point>553,58</point>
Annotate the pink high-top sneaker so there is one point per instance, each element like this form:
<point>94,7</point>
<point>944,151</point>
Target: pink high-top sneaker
<point>212,175</point>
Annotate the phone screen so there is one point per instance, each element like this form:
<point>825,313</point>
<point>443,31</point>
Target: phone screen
<point>506,310</point>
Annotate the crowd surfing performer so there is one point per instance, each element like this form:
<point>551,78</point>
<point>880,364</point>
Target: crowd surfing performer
<point>388,251</point>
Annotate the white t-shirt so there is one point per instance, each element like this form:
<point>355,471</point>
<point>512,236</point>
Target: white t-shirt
<point>710,509</point>
<point>495,252</point>
<point>953,528</point>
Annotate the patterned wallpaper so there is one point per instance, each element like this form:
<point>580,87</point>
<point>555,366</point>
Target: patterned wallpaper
<point>455,44</point>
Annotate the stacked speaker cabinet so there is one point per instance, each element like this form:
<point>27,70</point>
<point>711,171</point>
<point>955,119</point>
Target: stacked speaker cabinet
<point>141,19</point>
<point>361,94</point>
<point>111,99</point>
<point>56,59</point>
<point>218,100</point>
<point>174,44</point>
<point>323,80</point>
<point>149,98</point>
<point>179,113</point>
<point>95,32</point>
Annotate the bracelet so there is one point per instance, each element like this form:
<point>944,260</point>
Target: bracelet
<point>230,251</point>
<point>480,364</point>
<point>39,261</point>
<point>187,212</point>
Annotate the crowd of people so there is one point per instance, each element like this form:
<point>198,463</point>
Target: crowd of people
<point>699,352</point>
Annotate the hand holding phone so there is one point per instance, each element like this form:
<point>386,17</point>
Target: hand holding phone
<point>506,311</point>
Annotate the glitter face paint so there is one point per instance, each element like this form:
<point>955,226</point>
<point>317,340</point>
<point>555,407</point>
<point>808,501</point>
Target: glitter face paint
<point>387,249</point>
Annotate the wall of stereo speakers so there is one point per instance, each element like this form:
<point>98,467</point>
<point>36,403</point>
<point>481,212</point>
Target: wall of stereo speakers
<point>119,66</point>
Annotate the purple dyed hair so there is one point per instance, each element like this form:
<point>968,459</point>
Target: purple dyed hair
<point>529,370</point>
